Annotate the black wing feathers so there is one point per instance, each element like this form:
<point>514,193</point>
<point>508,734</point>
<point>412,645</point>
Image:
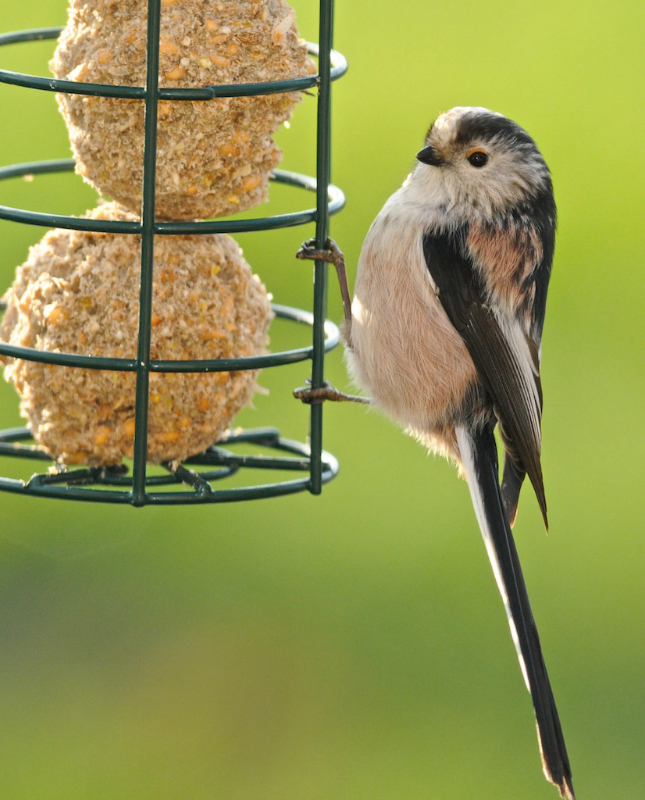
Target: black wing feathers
<point>463,297</point>
<point>500,372</point>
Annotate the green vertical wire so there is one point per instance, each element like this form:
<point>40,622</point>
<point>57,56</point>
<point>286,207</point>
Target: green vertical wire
<point>323,176</point>
<point>147,253</point>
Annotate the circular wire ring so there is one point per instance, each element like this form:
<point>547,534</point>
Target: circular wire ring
<point>332,338</point>
<point>336,203</point>
<point>338,68</point>
<point>76,484</point>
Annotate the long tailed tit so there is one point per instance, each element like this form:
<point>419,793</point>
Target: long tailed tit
<point>445,337</point>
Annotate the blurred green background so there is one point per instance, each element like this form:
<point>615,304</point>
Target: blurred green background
<point>353,645</point>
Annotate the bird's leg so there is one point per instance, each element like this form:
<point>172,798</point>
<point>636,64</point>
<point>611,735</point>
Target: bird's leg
<point>332,255</point>
<point>326,392</point>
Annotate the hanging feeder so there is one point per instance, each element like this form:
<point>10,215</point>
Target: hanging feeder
<point>198,479</point>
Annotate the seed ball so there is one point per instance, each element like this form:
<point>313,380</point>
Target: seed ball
<point>214,156</point>
<point>78,292</point>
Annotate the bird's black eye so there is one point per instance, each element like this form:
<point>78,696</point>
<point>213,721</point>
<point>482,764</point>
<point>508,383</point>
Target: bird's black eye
<point>478,158</point>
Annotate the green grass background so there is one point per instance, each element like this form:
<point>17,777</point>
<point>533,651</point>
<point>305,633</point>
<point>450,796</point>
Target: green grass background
<point>353,646</point>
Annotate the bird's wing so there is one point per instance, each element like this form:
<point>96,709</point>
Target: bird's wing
<point>515,256</point>
<point>505,356</point>
<point>536,284</point>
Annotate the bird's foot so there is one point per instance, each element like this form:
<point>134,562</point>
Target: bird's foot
<point>332,254</point>
<point>326,392</point>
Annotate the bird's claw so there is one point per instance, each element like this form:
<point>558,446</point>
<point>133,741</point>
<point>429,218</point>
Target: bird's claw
<point>331,253</point>
<point>325,392</point>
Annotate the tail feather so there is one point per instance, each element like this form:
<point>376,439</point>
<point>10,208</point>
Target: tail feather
<point>514,474</point>
<point>478,453</point>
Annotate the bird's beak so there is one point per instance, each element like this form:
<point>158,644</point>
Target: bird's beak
<point>430,157</point>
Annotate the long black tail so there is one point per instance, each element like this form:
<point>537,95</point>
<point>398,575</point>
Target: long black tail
<point>479,458</point>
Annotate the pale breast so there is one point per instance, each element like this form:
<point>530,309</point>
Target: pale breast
<point>405,352</point>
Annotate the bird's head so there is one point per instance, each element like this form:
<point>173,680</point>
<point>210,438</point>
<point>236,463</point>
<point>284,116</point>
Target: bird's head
<point>479,164</point>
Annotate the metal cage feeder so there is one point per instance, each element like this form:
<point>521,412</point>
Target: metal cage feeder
<point>199,475</point>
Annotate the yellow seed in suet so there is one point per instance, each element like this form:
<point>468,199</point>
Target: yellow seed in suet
<point>168,48</point>
<point>129,427</point>
<point>76,458</point>
<point>175,74</point>
<point>102,435</point>
<point>54,314</point>
<point>252,182</point>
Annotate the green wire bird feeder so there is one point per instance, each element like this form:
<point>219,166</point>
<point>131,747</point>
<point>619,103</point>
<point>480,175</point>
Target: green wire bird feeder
<point>197,477</point>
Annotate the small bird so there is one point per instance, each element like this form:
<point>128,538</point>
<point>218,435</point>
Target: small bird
<point>446,324</point>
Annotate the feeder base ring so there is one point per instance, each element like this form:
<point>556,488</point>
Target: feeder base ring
<point>196,475</point>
